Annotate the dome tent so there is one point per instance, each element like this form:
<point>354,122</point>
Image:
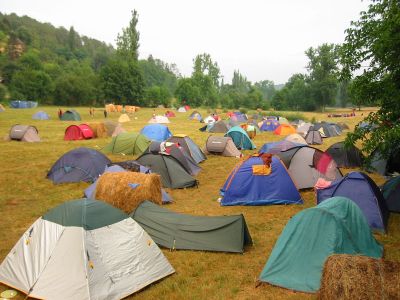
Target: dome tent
<point>84,249</point>
<point>127,143</point>
<point>336,226</point>
<point>296,138</point>
<point>80,164</point>
<point>240,138</point>
<point>346,157</point>
<point>268,125</point>
<point>159,120</point>
<point>156,132</point>
<point>247,186</point>
<point>276,147</point>
<point>362,190</point>
<point>41,115</point>
<point>284,129</point>
<point>70,115</point>
<point>391,193</point>
<point>313,137</point>
<point>189,146</point>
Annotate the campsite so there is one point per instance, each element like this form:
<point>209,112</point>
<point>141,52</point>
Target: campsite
<point>26,194</point>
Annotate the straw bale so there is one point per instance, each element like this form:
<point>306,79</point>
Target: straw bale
<point>110,108</point>
<point>118,108</point>
<point>359,277</point>
<point>130,109</point>
<point>114,189</point>
<point>99,130</point>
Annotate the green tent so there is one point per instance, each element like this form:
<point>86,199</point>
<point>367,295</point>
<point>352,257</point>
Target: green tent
<point>335,226</point>
<point>179,231</point>
<point>173,174</point>
<point>127,143</point>
<point>70,115</point>
<point>240,138</point>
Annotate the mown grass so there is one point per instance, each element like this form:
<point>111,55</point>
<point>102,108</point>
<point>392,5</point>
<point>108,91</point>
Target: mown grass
<point>25,195</point>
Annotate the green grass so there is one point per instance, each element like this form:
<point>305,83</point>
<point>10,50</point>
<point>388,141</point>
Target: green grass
<point>25,195</point>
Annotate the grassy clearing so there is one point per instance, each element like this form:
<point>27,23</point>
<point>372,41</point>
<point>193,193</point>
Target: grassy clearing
<point>25,195</point>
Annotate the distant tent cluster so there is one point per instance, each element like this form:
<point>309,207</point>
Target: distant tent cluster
<point>23,104</point>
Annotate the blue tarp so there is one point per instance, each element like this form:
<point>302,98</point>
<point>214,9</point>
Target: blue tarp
<point>244,188</point>
<point>41,115</point>
<point>362,190</point>
<point>156,132</point>
<point>23,104</point>
<point>240,138</point>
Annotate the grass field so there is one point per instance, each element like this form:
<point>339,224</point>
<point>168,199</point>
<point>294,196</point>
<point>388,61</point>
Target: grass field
<point>25,195</point>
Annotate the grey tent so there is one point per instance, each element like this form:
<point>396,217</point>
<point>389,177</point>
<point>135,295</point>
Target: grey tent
<point>326,129</point>
<point>179,231</point>
<point>173,174</point>
<point>113,128</point>
<point>24,133</point>
<point>219,126</point>
<point>350,157</point>
<point>220,145</point>
<point>307,164</point>
<point>314,137</point>
<point>386,166</point>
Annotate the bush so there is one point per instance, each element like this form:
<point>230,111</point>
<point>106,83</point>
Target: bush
<point>3,92</point>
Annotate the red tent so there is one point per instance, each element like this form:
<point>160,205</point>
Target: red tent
<point>169,114</point>
<point>187,107</point>
<point>75,132</point>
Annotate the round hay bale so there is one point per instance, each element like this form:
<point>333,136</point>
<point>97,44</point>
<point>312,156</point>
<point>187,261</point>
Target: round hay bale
<point>118,189</point>
<point>359,277</point>
<point>99,130</point>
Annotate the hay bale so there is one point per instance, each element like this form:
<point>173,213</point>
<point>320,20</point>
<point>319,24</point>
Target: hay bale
<point>99,130</point>
<point>359,277</point>
<point>114,188</point>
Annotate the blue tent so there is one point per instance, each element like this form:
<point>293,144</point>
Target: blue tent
<point>41,115</point>
<point>248,184</point>
<point>276,147</point>
<point>91,189</point>
<point>362,190</point>
<point>240,138</point>
<point>269,125</point>
<point>238,117</point>
<point>23,104</point>
<point>80,164</point>
<point>156,132</point>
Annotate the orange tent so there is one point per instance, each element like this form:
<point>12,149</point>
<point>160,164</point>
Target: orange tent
<point>284,129</point>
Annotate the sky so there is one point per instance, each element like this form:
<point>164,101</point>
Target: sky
<point>263,39</point>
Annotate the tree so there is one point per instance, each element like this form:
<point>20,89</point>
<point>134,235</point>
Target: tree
<point>188,92</point>
<point>323,68</point>
<point>32,85</point>
<point>128,41</point>
<point>372,45</point>
<point>204,65</point>
<point>267,87</point>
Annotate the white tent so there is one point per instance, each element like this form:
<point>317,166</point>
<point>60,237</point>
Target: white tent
<point>159,120</point>
<point>296,138</point>
<point>123,118</point>
<point>209,120</point>
<point>181,109</point>
<point>84,249</point>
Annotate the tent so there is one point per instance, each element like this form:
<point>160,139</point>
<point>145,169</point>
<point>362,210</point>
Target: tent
<point>307,164</point>
<point>70,115</point>
<point>41,115</point>
<point>156,132</point>
<point>127,143</point>
<point>196,116</point>
<point>181,109</point>
<point>219,145</point>
<point>386,166</point>
<point>240,138</point>
<point>346,157</point>
<point>23,104</point>
<point>113,128</point>
<point>209,120</point>
<point>177,152</point>
<point>238,117</point>
<point>219,126</point>
<point>123,118</point>
<point>78,132</point>
<point>284,129</point>
<point>180,231</point>
<point>276,147</point>
<point>173,174</point>
<point>391,193</point>
<point>84,249</point>
<point>187,107</point>
<point>296,138</point>
<point>313,137</point>
<point>283,120</point>
<point>2,108</point>
<point>80,164</point>
<point>169,114</point>
<point>336,226</point>
<point>326,129</point>
<point>252,182</point>
<point>159,120</point>
<point>268,125</point>
<point>303,128</point>
<point>343,125</point>
<point>24,133</point>
<point>362,190</point>
<point>189,146</point>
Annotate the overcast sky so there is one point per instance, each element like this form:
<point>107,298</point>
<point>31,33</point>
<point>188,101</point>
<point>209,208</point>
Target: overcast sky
<point>263,39</point>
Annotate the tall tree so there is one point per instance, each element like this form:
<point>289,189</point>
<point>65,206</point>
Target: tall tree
<point>128,41</point>
<point>204,65</point>
<point>323,68</point>
<point>372,45</point>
